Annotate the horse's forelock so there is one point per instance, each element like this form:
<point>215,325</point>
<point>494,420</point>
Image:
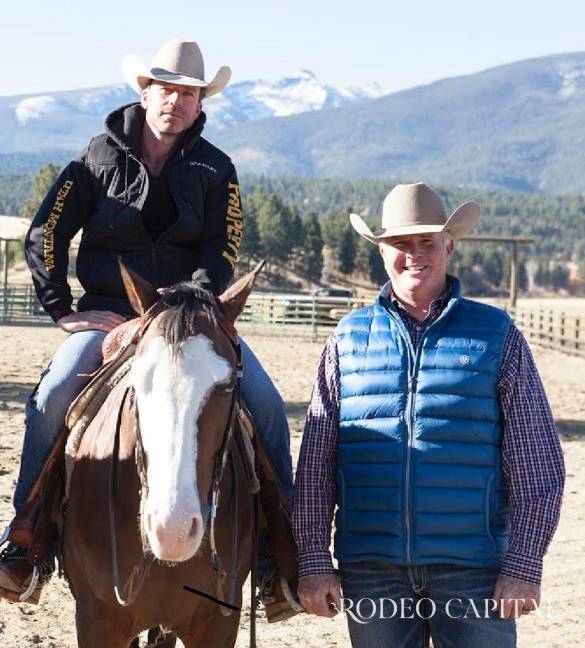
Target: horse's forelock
<point>179,308</point>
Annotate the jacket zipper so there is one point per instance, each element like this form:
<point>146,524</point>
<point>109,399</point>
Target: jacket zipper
<point>412,384</point>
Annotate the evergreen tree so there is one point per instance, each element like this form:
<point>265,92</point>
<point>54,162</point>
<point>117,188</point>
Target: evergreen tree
<point>493,268</point>
<point>559,277</point>
<point>347,250</point>
<point>362,256</point>
<point>542,276</point>
<point>522,276</point>
<point>377,274</point>
<point>251,249</point>
<point>296,236</point>
<point>311,260</point>
<point>333,226</point>
<point>274,226</point>
<point>43,180</point>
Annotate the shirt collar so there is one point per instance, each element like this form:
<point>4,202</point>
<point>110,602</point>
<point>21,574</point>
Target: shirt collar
<point>437,305</point>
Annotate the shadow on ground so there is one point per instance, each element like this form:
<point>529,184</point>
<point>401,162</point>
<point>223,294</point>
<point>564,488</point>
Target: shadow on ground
<point>297,409</point>
<point>571,430</point>
<point>13,392</point>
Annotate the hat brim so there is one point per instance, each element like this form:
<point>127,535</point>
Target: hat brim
<point>138,76</point>
<point>457,225</point>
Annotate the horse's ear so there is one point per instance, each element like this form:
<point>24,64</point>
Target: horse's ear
<point>234,298</point>
<point>141,293</point>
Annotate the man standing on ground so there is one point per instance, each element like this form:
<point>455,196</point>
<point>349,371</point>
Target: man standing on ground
<point>430,429</point>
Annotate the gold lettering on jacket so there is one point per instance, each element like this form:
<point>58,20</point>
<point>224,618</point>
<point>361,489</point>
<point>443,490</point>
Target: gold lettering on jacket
<point>49,226</point>
<point>234,224</point>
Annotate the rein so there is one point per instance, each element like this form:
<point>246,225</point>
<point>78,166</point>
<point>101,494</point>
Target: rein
<point>127,594</point>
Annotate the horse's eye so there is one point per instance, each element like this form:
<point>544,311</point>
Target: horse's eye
<point>229,389</point>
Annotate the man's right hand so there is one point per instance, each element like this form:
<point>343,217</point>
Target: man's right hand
<point>90,320</point>
<point>320,594</point>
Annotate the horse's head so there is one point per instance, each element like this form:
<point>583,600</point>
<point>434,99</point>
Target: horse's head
<point>184,376</point>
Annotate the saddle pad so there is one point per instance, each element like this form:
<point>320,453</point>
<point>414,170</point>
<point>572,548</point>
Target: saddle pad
<point>92,405</point>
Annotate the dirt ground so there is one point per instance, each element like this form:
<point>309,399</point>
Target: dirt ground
<point>25,352</point>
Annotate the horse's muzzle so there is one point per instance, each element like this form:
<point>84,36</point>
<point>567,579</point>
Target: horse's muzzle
<point>174,540</point>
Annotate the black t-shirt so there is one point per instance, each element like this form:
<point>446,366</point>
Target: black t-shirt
<point>159,211</point>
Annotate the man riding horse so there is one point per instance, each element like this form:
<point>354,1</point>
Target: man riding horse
<point>152,191</point>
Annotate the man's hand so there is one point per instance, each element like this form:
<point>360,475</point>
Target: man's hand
<point>90,320</point>
<point>320,594</point>
<point>515,597</point>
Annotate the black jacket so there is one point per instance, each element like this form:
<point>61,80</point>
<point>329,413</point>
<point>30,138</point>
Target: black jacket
<point>102,192</point>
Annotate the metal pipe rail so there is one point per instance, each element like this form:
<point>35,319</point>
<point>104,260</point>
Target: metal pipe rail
<point>312,317</point>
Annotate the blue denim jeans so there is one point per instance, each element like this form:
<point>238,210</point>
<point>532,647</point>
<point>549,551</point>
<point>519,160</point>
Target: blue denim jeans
<point>393,606</point>
<point>65,377</point>
<point>79,355</point>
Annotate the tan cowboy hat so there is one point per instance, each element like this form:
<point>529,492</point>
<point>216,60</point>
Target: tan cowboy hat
<point>175,62</point>
<point>417,209</point>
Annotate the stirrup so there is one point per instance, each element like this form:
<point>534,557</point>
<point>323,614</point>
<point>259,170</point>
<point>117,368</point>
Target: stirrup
<point>290,597</point>
<point>31,588</point>
<point>4,536</point>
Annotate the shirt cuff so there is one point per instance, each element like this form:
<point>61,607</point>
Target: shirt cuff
<point>56,315</point>
<point>315,562</point>
<point>524,568</point>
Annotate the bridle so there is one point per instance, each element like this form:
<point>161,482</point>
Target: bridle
<point>127,594</point>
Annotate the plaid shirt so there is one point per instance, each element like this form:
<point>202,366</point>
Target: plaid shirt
<point>532,458</point>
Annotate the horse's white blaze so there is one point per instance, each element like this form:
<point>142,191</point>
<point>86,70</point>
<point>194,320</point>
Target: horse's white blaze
<point>171,393</point>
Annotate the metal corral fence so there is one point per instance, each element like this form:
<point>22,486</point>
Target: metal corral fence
<point>265,313</point>
<point>313,317</point>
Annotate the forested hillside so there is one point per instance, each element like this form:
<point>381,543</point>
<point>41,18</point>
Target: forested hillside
<point>557,222</point>
<point>288,221</point>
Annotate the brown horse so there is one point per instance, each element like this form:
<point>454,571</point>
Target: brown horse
<point>149,469</point>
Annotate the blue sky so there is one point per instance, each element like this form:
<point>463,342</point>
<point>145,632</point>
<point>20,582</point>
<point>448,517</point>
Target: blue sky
<point>59,45</point>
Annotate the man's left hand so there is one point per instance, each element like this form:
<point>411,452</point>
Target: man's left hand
<point>515,597</point>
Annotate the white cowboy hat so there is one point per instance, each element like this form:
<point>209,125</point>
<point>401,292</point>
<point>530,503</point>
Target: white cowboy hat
<point>417,209</point>
<point>175,62</point>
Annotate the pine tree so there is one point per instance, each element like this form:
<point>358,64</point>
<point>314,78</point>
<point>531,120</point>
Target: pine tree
<point>559,277</point>
<point>251,249</point>
<point>296,237</point>
<point>43,180</point>
<point>542,277</point>
<point>311,261</point>
<point>347,250</point>
<point>274,226</point>
<point>377,274</point>
<point>522,276</point>
<point>493,268</point>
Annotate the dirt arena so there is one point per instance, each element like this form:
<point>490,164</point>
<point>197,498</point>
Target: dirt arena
<point>26,350</point>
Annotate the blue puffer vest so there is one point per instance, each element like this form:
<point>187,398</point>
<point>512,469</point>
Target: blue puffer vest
<point>419,471</point>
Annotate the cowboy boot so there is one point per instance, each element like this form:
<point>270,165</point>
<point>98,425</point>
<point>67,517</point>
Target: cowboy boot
<point>16,573</point>
<point>279,598</point>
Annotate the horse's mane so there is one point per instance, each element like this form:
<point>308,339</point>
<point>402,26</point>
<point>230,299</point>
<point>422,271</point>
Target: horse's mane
<point>182,304</point>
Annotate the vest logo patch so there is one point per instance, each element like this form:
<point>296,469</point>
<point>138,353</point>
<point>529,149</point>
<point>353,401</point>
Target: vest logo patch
<point>464,359</point>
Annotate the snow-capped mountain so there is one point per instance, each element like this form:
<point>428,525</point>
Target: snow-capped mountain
<point>299,93</point>
<point>65,120</point>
